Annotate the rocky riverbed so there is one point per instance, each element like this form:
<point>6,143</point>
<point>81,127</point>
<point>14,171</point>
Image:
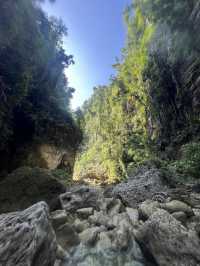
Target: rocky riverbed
<point>143,221</point>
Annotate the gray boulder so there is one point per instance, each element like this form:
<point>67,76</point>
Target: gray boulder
<point>177,206</point>
<point>27,238</point>
<point>67,237</point>
<point>114,206</point>
<point>89,236</point>
<point>133,215</point>
<point>180,216</point>
<point>169,241</point>
<point>59,218</point>
<point>147,208</point>
<point>80,226</point>
<point>84,213</point>
<point>139,188</point>
<point>99,218</point>
<point>81,196</point>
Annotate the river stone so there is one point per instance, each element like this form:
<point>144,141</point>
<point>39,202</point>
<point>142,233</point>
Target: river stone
<point>177,206</point>
<point>121,221</point>
<point>99,218</point>
<point>81,225</point>
<point>169,241</point>
<point>89,236</point>
<point>114,207</point>
<point>105,203</point>
<point>85,212</point>
<point>27,237</point>
<point>67,236</point>
<point>193,223</point>
<point>58,218</point>
<point>133,215</point>
<point>147,208</point>
<point>181,216</point>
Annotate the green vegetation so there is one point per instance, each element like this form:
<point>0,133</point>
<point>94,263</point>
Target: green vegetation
<point>34,91</point>
<point>115,121</point>
<point>151,107</point>
<point>188,165</point>
<point>149,110</point>
<point>63,176</point>
<point>173,70</point>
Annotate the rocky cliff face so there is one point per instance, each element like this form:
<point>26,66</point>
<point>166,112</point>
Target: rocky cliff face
<point>45,155</point>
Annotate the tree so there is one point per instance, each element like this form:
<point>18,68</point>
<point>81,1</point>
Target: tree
<point>34,88</point>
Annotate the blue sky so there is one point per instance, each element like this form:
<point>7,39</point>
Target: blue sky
<point>96,34</point>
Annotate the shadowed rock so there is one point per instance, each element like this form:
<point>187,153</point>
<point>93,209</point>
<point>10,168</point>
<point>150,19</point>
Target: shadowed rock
<point>81,197</point>
<point>26,186</point>
<point>169,241</point>
<point>27,238</point>
<point>139,188</point>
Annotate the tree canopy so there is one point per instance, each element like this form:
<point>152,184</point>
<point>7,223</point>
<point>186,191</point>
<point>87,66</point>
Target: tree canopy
<point>34,91</point>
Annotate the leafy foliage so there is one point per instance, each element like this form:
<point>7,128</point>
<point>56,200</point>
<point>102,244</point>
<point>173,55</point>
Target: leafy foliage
<point>115,122</point>
<point>173,69</point>
<point>152,105</point>
<point>188,164</point>
<point>34,91</point>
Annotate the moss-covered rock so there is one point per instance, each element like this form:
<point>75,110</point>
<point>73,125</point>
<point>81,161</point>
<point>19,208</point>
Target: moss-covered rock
<point>26,186</point>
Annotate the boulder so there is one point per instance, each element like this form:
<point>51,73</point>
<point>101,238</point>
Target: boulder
<point>67,236</point>
<point>121,238</point>
<point>27,186</point>
<point>147,208</point>
<point>195,200</point>
<point>85,212</point>
<point>169,241</point>
<point>58,218</point>
<point>139,188</point>
<point>27,237</point>
<point>89,236</point>
<point>61,255</point>
<point>99,218</point>
<point>181,216</point>
<point>177,206</point>
<point>133,215</point>
<point>121,221</point>
<point>80,226</point>
<point>114,206</point>
<point>193,222</point>
<point>81,196</point>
